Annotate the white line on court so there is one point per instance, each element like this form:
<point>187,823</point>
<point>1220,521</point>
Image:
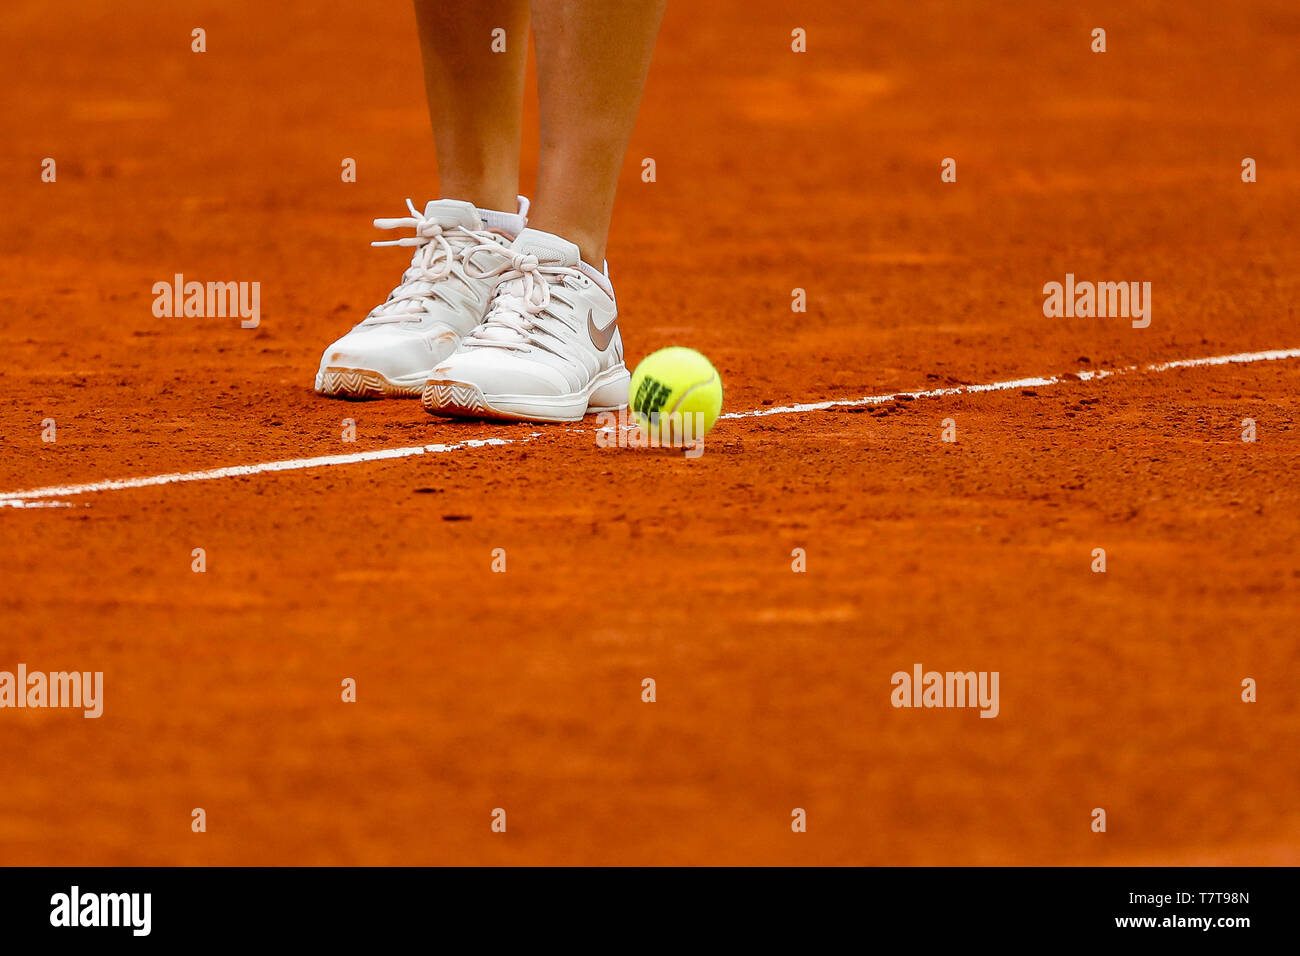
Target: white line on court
<point>27,499</point>
<point>1239,358</point>
<point>20,498</point>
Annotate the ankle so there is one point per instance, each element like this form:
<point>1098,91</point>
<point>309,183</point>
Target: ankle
<point>495,193</point>
<point>591,252</point>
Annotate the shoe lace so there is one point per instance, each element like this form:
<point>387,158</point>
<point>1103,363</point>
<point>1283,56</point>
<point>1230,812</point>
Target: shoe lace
<point>437,250</point>
<point>519,310</point>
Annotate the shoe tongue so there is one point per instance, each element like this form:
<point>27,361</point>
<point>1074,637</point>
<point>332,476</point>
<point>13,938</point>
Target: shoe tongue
<point>508,223</point>
<point>450,213</point>
<point>447,213</point>
<point>549,249</point>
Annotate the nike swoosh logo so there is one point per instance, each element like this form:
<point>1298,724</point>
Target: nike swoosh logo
<point>601,337</point>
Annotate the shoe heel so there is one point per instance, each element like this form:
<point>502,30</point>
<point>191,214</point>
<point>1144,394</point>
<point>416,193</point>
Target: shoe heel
<point>611,395</point>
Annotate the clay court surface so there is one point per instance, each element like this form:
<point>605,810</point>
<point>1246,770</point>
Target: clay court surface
<point>478,690</point>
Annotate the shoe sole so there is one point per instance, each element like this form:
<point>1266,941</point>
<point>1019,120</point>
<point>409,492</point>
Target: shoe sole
<point>454,399</point>
<point>342,381</point>
<point>363,383</point>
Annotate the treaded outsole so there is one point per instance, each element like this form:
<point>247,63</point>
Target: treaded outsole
<point>465,400</point>
<point>457,399</point>
<point>361,383</point>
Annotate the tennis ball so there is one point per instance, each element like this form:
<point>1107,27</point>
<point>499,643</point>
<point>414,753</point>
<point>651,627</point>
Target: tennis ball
<point>676,395</point>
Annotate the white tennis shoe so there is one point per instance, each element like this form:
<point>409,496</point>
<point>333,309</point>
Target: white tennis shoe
<point>442,296</point>
<point>549,349</point>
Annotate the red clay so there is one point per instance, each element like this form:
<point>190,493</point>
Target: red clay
<point>522,690</point>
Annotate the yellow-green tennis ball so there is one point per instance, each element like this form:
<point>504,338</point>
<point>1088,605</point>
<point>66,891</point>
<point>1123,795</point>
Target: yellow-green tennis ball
<point>676,395</point>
